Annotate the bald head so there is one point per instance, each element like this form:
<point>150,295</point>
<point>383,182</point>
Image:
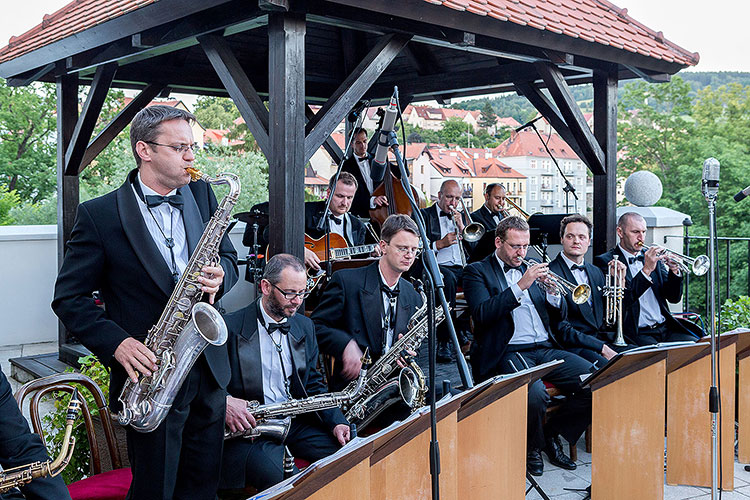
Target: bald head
<point>448,196</point>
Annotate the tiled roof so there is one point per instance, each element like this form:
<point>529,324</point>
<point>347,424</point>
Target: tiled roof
<point>312,178</point>
<point>461,163</point>
<point>509,122</point>
<point>526,143</point>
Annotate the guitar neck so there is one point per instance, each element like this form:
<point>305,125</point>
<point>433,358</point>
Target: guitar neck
<point>342,253</point>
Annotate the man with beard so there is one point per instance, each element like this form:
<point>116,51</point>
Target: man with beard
<point>273,354</point>
<point>369,308</point>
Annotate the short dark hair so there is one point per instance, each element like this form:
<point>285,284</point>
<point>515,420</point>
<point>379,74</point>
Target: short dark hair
<point>277,264</point>
<point>570,219</point>
<point>513,222</point>
<point>396,223</point>
<point>344,177</point>
<point>358,131</point>
<point>490,187</point>
<point>145,125</point>
<point>627,217</point>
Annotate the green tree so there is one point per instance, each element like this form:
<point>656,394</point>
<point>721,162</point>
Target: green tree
<point>27,140</point>
<point>487,117</point>
<point>216,112</point>
<point>456,131</point>
<point>8,201</point>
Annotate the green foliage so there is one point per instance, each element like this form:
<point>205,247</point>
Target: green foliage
<point>735,314</point>
<point>216,112</point>
<point>251,167</point>
<point>54,422</point>
<point>34,214</point>
<point>8,201</point>
<point>488,117</point>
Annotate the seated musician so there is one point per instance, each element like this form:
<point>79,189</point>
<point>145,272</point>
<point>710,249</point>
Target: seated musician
<point>273,355</point>
<point>359,165</point>
<point>340,221</point>
<point>19,448</point>
<point>444,225</point>
<point>368,308</point>
<point>583,330</point>
<point>488,215</point>
<point>652,279</point>
<point>512,332</point>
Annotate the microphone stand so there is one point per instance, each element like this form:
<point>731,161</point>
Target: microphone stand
<point>568,186</point>
<point>713,394</point>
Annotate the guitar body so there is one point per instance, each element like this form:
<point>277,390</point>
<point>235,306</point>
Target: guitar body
<point>318,246</point>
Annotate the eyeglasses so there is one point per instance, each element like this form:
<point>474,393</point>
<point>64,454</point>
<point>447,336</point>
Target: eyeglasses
<point>406,250</point>
<point>292,295</point>
<point>181,148</point>
<point>517,247</point>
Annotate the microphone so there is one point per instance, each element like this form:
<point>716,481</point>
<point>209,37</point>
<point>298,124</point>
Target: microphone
<point>710,179</point>
<point>528,124</point>
<point>742,194</point>
<point>357,111</point>
<point>389,121</point>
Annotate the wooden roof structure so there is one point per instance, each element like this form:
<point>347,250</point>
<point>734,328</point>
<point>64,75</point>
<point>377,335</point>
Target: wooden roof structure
<point>293,53</point>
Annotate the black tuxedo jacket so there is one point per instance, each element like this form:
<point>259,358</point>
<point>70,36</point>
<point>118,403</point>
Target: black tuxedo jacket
<point>491,303</point>
<point>666,285</point>
<point>355,230</point>
<point>350,308</point>
<point>432,226</point>
<point>583,323</point>
<point>243,346</point>
<point>486,245</point>
<point>111,250</point>
<point>361,202</point>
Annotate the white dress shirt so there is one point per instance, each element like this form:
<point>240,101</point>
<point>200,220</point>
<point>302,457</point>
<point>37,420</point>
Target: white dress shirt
<point>167,219</point>
<point>451,255</point>
<point>386,300</point>
<point>274,387</point>
<point>528,324</point>
<point>364,169</point>
<point>650,314</point>
<point>338,227</point>
<point>495,217</point>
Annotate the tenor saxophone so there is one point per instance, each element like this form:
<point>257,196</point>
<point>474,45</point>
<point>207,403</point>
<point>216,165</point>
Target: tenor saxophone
<point>186,325</point>
<point>18,476</point>
<point>383,384</point>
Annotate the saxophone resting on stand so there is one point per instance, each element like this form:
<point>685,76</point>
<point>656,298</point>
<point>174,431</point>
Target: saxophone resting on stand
<point>380,389</point>
<point>18,476</point>
<point>186,325</point>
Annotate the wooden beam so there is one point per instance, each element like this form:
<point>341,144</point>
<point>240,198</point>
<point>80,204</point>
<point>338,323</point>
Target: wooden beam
<point>274,5</point>
<point>351,90</point>
<point>605,186</point>
<point>560,92</point>
<point>119,123</point>
<point>67,185</point>
<point>89,116</point>
<point>286,161</point>
<point>548,110</point>
<point>329,144</point>
<point>32,76</point>
<point>240,88</point>
<point>422,58</point>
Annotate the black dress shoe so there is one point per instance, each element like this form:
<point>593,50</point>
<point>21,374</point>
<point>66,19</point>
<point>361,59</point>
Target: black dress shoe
<point>534,463</point>
<point>556,456</point>
<point>444,353</point>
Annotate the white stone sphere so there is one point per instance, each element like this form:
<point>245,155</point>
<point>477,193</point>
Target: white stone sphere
<point>643,189</point>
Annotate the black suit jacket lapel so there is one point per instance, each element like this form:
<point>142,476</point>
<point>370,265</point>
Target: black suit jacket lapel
<point>368,301</point>
<point>597,307</point>
<point>299,356</point>
<point>622,258</point>
<point>192,219</point>
<point>499,273</point>
<point>248,352</point>
<point>140,239</point>
<point>434,223</point>
<point>348,229</point>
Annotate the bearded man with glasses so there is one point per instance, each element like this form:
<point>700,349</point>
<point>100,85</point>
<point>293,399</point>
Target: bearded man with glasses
<point>273,356</point>
<point>369,308</point>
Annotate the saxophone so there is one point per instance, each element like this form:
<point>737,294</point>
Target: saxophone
<point>274,419</point>
<point>186,325</point>
<point>380,388</point>
<point>18,476</point>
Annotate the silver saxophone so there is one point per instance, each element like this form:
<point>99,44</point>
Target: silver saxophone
<point>273,420</point>
<point>383,386</point>
<point>186,325</point>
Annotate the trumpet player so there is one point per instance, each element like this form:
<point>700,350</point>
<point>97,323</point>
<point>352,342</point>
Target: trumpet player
<point>489,215</point>
<point>444,226</point>
<point>583,331</point>
<point>652,279</point>
<point>512,332</point>
<point>273,355</point>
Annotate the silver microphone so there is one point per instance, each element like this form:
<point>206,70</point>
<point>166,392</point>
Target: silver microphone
<point>389,120</point>
<point>710,179</point>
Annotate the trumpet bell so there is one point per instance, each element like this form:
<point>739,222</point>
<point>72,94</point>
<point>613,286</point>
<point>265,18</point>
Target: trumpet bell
<point>701,265</point>
<point>581,294</point>
<point>473,232</point>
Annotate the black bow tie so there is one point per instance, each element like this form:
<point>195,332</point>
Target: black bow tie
<point>507,268</point>
<point>154,200</point>
<point>631,260</point>
<point>337,220</point>
<point>578,267</point>
<point>444,214</point>
<point>281,327</point>
<point>392,294</point>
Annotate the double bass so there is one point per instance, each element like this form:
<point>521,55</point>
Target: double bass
<point>391,187</point>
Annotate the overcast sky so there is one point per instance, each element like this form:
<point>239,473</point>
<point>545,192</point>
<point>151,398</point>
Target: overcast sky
<point>716,29</point>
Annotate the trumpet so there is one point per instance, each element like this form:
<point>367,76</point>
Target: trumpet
<point>697,265</point>
<point>473,231</point>
<point>513,204</point>
<point>557,285</point>
<point>614,289</point>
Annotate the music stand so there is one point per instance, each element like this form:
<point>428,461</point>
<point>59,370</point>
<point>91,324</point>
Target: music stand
<point>544,230</point>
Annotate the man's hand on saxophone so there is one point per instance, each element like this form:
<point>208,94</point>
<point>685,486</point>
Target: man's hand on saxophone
<point>211,278</point>
<point>134,356</point>
<point>238,418</point>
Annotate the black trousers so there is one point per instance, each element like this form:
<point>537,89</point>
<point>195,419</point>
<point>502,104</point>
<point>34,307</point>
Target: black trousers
<point>661,333</point>
<point>452,279</point>
<point>258,462</point>
<point>181,458</point>
<point>574,415</point>
<point>19,447</point>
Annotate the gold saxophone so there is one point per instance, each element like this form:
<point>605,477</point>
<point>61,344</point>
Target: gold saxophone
<point>18,476</point>
<point>186,325</point>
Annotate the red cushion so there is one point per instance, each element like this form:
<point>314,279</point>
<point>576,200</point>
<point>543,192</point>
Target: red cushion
<point>301,463</point>
<point>110,485</point>
<point>548,385</point>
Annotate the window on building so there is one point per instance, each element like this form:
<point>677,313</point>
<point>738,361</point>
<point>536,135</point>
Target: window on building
<point>532,181</point>
<point>532,163</point>
<point>421,169</point>
<point>532,195</point>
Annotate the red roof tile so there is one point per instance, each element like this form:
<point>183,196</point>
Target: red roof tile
<point>526,143</point>
<point>596,21</point>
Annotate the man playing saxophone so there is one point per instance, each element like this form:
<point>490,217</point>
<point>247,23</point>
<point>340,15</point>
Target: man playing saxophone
<point>273,355</point>
<point>132,245</point>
